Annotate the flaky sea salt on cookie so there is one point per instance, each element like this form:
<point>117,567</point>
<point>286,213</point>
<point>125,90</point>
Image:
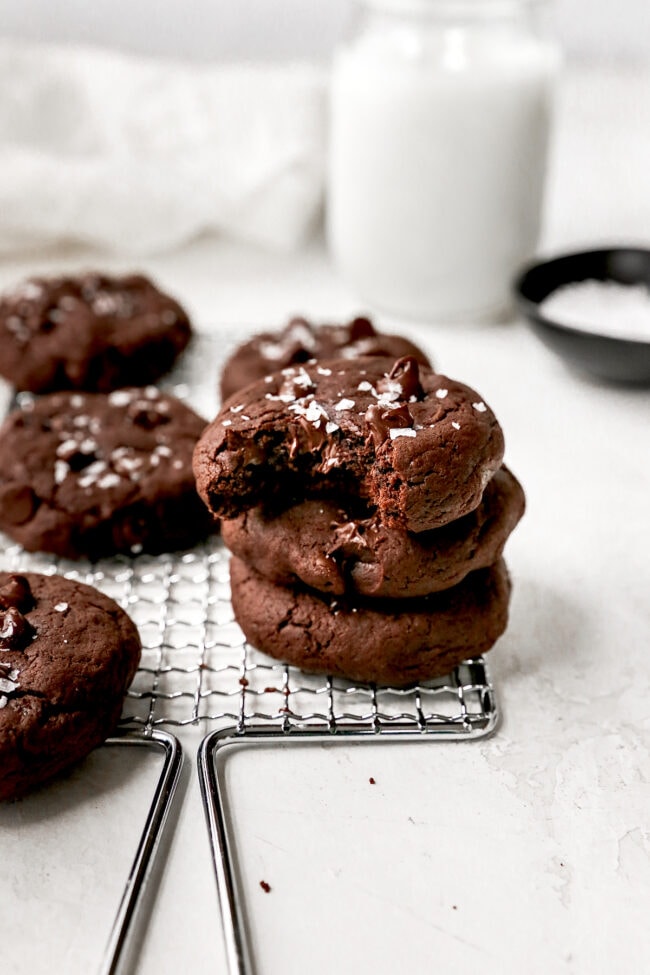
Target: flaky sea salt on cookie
<point>92,474</point>
<point>67,656</point>
<point>91,331</point>
<point>418,446</point>
<point>300,341</point>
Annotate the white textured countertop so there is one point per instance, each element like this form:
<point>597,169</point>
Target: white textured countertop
<point>527,852</point>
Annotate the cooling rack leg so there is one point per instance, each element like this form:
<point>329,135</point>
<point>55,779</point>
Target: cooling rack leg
<point>232,907</point>
<point>232,911</point>
<point>114,954</point>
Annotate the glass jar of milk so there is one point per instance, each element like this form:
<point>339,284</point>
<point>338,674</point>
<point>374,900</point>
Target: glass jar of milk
<point>439,128</point>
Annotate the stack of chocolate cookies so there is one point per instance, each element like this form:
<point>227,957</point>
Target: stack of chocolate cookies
<point>366,506</point>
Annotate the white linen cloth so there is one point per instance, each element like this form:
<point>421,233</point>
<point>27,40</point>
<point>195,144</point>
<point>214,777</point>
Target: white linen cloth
<point>141,155</point>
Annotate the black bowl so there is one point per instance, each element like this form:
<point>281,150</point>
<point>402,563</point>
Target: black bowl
<point>615,359</point>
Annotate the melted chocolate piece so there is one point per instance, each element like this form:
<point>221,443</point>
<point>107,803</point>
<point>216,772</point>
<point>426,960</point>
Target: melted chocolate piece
<point>379,420</point>
<point>349,539</point>
<point>77,460</point>
<point>252,453</point>
<point>361,328</point>
<point>297,342</point>
<point>15,631</point>
<point>16,593</point>
<point>17,503</point>
<point>407,373</point>
<point>147,417</point>
<point>330,457</point>
<point>296,354</point>
<point>306,435</point>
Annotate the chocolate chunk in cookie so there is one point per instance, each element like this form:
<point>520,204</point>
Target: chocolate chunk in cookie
<point>415,445</point>
<point>338,550</point>
<point>90,332</point>
<point>301,341</point>
<point>16,593</point>
<point>394,643</point>
<point>67,656</point>
<point>92,474</point>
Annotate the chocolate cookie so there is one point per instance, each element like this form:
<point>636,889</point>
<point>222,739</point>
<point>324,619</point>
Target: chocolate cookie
<point>91,332</point>
<point>416,445</point>
<point>341,550</point>
<point>301,341</point>
<point>67,656</point>
<point>396,643</point>
<point>91,474</point>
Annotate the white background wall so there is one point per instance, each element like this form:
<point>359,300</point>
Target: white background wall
<point>206,29</point>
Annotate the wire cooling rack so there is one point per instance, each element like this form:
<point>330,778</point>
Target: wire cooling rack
<point>198,672</point>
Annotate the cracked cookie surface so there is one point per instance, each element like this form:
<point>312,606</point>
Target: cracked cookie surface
<point>91,332</point>
<point>392,643</point>
<point>67,656</point>
<point>415,445</point>
<point>337,549</point>
<point>92,474</point>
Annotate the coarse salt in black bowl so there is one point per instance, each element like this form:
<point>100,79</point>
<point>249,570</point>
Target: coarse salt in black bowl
<point>593,309</point>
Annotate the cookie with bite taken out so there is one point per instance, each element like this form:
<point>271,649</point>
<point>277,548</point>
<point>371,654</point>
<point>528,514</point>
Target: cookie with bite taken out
<point>414,445</point>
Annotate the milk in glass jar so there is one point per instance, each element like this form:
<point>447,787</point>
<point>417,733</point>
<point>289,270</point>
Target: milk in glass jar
<point>439,129</point>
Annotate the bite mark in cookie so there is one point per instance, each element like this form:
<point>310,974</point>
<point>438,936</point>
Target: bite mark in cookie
<point>371,428</point>
<point>345,549</point>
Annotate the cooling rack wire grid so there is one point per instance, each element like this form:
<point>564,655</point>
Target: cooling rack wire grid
<point>197,669</point>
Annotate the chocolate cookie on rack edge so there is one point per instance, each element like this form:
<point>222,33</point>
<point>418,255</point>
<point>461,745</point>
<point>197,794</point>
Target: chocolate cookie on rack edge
<point>93,474</point>
<point>301,341</point>
<point>337,550</point>
<point>67,656</point>
<point>90,332</point>
<point>382,642</point>
<point>415,445</point>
